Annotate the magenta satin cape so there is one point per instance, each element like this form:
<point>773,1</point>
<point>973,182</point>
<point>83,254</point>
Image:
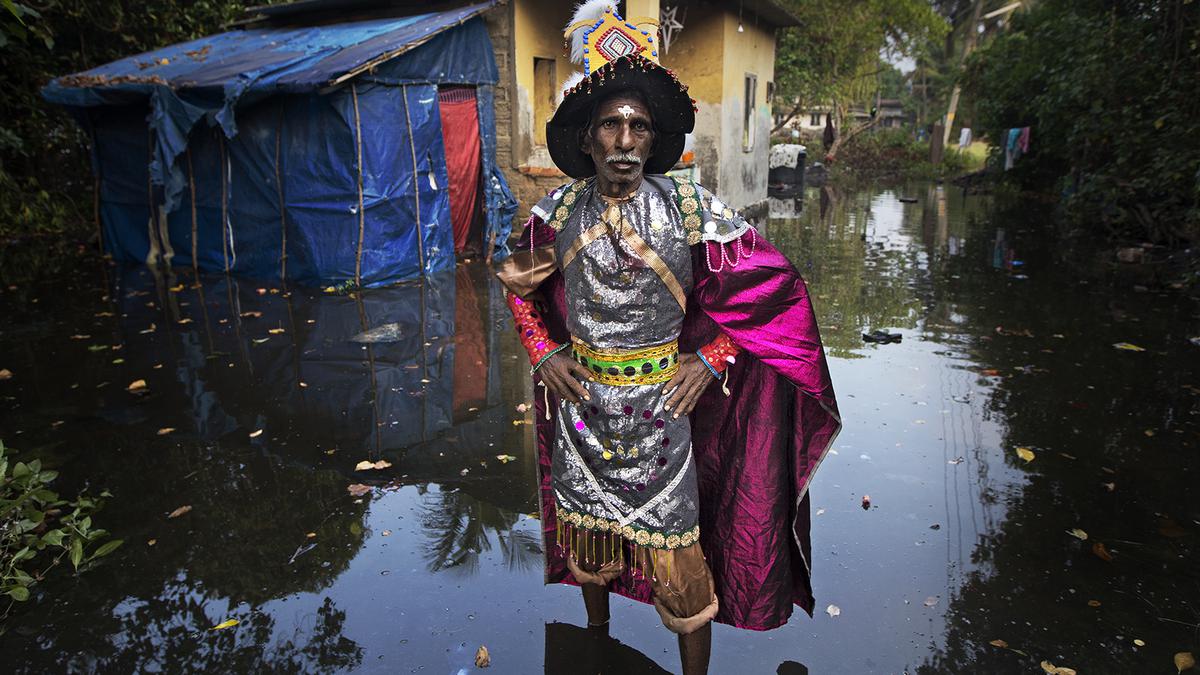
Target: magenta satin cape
<point>756,449</point>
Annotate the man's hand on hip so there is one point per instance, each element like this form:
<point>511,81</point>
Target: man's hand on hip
<point>561,374</point>
<point>689,382</point>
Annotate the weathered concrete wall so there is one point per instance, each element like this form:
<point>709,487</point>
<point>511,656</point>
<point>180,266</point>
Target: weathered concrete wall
<point>696,56</point>
<point>743,174</point>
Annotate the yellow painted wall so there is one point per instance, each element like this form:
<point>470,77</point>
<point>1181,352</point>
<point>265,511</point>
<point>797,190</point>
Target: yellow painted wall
<point>712,58</point>
<point>696,56</point>
<point>537,33</point>
<point>743,175</point>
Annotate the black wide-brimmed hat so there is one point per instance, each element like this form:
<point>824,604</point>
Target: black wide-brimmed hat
<point>618,56</point>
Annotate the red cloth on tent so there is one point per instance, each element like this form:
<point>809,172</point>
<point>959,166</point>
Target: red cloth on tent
<point>460,135</point>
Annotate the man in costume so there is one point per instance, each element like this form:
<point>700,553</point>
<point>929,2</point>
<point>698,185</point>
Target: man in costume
<point>685,400</point>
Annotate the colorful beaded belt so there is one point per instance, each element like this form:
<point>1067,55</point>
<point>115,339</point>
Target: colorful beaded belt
<point>628,366</point>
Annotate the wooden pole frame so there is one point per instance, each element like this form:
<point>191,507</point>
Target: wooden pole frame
<point>361,214</point>
<point>412,144</point>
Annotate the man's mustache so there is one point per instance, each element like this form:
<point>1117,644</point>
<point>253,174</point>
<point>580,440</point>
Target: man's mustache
<point>623,158</point>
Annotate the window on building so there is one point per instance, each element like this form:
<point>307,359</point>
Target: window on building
<point>748,105</point>
<point>543,97</point>
<point>814,120</point>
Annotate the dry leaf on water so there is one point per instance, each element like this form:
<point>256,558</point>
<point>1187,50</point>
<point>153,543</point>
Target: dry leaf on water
<point>367,465</point>
<point>931,601</point>
<point>1184,661</point>
<point>866,502</point>
<point>999,643</point>
<point>228,623</point>
<point>165,430</point>
<point>5,374</point>
<point>1025,454</point>
<point>256,433</point>
<point>275,331</point>
<point>1127,347</point>
<point>505,459</point>
<point>1140,643</point>
<point>1101,551</point>
<point>1056,670</point>
<point>136,386</point>
<point>482,658</point>
<point>1077,533</point>
<point>833,610</point>
<point>152,542</point>
<point>357,489</point>
<point>1093,603</point>
<point>180,511</point>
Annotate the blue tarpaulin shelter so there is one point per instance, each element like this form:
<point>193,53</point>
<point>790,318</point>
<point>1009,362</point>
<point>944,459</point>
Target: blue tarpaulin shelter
<point>313,154</point>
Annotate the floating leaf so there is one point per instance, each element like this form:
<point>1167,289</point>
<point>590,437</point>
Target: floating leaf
<point>1128,347</point>
<point>1056,670</point>
<point>866,502</point>
<point>386,533</point>
<point>310,535</point>
<point>1101,551</point>
<point>1109,486</point>
<point>165,430</point>
<point>482,658</point>
<point>256,433</point>
<point>5,374</point>
<point>180,511</point>
<point>833,610</point>
<point>1140,643</point>
<point>357,489</point>
<point>1077,533</point>
<point>505,459</point>
<point>931,601</point>
<point>367,465</point>
<point>136,386</point>
<point>152,542</point>
<point>1184,661</point>
<point>999,643</point>
<point>1093,603</point>
<point>183,322</point>
<point>1025,454</point>
<point>276,331</point>
<point>250,315</point>
<point>227,623</point>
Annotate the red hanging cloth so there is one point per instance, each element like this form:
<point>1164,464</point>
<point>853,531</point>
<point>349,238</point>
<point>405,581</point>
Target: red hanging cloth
<point>460,135</point>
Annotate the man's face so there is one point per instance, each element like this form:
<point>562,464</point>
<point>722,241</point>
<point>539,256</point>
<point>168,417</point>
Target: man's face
<point>620,140</point>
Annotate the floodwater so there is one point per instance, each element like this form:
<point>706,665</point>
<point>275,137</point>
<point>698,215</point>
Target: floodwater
<point>267,407</point>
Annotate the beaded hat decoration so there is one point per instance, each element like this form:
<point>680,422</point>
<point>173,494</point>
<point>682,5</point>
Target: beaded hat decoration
<point>617,54</point>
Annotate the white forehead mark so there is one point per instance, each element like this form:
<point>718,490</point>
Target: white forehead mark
<point>625,111</point>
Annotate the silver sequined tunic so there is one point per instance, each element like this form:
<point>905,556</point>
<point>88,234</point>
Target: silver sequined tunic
<point>620,458</point>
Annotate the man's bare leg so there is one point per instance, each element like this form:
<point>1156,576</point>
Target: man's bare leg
<point>595,601</point>
<point>694,650</point>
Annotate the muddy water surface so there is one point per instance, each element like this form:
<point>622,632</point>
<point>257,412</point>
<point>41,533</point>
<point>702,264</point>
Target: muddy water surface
<point>270,406</point>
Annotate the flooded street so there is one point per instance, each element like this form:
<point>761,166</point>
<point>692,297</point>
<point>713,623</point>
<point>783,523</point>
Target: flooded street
<point>258,406</point>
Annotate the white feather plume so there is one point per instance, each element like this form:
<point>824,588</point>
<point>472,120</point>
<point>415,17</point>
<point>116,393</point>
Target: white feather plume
<point>590,11</point>
<point>573,79</point>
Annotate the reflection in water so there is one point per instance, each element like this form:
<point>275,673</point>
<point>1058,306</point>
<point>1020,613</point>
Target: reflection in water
<point>457,527</point>
<point>1005,346</point>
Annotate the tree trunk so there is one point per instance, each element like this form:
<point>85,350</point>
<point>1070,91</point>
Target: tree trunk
<point>831,152</point>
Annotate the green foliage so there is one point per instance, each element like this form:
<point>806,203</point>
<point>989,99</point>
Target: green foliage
<point>37,529</point>
<point>1109,89</point>
<point>890,155</point>
<point>45,182</point>
<point>833,56</point>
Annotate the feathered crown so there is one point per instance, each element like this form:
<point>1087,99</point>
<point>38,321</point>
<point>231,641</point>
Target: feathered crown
<point>598,35</point>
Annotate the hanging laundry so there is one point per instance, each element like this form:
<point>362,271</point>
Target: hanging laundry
<point>1023,140</point>
<point>964,137</point>
<point>1012,148</point>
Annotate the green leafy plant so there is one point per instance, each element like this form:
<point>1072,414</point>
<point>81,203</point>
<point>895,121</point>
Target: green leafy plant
<point>38,530</point>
